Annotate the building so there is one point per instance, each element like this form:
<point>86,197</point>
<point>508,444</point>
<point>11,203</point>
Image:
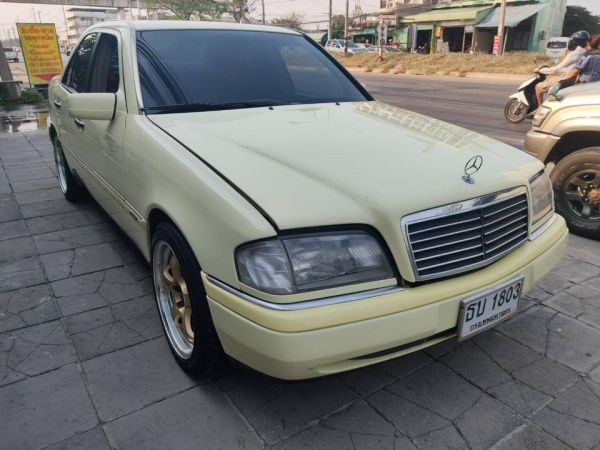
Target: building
<point>79,19</point>
<point>470,25</point>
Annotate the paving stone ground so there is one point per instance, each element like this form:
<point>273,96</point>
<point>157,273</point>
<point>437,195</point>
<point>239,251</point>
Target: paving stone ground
<point>84,364</point>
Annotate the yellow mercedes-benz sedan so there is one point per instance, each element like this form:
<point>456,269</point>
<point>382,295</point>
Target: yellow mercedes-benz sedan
<point>291,222</point>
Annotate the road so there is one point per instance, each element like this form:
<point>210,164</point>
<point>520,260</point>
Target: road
<point>474,104</point>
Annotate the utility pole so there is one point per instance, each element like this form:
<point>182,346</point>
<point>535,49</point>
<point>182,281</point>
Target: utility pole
<point>262,2</point>
<point>501,26</point>
<point>329,36</point>
<point>346,28</point>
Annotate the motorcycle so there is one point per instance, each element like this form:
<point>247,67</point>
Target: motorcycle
<point>523,102</point>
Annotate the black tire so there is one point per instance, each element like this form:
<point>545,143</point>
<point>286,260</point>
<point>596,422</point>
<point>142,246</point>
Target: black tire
<point>69,185</point>
<point>207,359</point>
<point>515,111</point>
<point>581,165</point>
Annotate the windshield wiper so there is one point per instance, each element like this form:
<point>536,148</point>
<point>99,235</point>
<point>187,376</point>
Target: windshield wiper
<point>195,107</point>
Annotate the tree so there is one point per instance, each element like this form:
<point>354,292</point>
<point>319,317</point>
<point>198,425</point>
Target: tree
<point>337,26</point>
<point>580,18</point>
<point>292,20</point>
<point>189,9</point>
<point>238,9</point>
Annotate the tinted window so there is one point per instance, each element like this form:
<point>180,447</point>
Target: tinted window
<point>76,75</point>
<point>179,67</point>
<point>557,44</point>
<point>104,74</point>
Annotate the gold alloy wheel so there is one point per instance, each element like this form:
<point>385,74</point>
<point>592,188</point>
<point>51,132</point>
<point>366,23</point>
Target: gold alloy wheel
<point>173,299</point>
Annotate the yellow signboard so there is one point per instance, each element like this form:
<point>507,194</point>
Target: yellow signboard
<point>40,51</point>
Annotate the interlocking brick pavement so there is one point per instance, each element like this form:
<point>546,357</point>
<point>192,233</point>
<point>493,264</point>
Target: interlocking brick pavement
<point>83,363</point>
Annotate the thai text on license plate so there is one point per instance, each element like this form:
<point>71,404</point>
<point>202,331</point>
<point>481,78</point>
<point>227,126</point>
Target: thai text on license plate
<point>487,309</point>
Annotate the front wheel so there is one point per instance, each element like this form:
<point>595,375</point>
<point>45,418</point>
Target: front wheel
<point>515,111</point>
<point>576,183</point>
<point>182,304</point>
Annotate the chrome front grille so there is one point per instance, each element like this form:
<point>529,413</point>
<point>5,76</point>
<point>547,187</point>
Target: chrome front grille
<point>463,236</point>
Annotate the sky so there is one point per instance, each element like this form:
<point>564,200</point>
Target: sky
<point>312,10</point>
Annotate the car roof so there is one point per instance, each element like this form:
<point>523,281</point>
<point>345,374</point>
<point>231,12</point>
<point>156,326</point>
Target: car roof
<point>148,25</point>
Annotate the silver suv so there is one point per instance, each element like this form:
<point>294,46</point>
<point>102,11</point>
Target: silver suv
<point>566,136</point>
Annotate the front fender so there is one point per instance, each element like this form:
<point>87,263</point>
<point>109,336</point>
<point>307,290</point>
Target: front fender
<point>521,97</point>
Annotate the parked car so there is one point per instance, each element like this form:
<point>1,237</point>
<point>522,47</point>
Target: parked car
<point>556,48</point>
<point>290,221</point>
<point>11,54</point>
<point>338,45</point>
<point>385,48</point>
<point>566,135</point>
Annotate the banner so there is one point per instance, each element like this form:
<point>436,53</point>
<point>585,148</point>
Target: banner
<point>40,51</point>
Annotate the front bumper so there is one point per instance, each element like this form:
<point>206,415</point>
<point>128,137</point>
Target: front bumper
<point>335,338</point>
<point>539,145</point>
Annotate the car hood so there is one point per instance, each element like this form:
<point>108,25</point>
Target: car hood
<point>328,164</point>
<point>584,93</point>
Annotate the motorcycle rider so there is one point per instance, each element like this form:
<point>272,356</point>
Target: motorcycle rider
<point>577,50</point>
<point>586,71</point>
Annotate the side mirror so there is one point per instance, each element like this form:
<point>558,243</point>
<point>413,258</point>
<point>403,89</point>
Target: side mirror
<point>96,106</point>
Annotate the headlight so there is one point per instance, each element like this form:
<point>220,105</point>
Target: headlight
<point>542,197</point>
<point>540,116</point>
<point>307,263</point>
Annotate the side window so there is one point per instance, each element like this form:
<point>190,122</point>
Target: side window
<point>76,75</point>
<point>104,74</point>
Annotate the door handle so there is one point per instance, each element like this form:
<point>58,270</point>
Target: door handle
<point>80,124</point>
<point>57,104</point>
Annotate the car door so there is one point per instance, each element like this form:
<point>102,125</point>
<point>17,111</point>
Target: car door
<point>103,139</point>
<point>74,80</point>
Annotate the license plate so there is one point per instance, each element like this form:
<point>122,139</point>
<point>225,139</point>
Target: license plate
<point>487,309</point>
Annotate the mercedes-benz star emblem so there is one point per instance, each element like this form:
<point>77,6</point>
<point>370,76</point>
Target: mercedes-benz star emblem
<point>471,167</point>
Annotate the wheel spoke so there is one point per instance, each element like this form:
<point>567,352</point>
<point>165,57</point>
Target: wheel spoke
<point>187,324</point>
<point>176,314</point>
<point>586,211</point>
<point>578,181</point>
<point>574,196</point>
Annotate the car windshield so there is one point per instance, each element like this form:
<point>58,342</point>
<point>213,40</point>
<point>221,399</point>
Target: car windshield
<point>196,70</point>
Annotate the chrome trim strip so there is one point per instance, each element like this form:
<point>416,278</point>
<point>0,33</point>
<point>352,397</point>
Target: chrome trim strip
<point>540,230</point>
<point>327,301</point>
<point>448,211</point>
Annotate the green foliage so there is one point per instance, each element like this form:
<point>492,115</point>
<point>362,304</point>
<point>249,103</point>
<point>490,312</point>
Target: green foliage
<point>189,9</point>
<point>31,96</point>
<point>337,26</point>
<point>580,18</point>
<point>239,9</point>
<point>292,20</point>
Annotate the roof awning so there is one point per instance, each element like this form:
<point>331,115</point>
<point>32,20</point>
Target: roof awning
<point>514,15</point>
<point>471,14</point>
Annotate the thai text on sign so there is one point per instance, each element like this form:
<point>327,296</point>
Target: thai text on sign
<point>40,51</point>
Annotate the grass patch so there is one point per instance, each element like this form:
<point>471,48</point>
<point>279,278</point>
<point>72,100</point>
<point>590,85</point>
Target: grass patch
<point>457,64</point>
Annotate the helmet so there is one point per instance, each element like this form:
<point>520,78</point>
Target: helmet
<point>579,39</point>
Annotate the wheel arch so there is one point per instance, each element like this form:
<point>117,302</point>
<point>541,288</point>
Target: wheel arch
<point>571,142</point>
<point>52,132</point>
<point>157,216</point>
